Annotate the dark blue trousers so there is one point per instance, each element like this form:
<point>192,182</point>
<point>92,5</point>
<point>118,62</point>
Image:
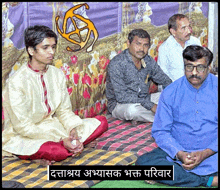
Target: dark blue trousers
<point>181,177</point>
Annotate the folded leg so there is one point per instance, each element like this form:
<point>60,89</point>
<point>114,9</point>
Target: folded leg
<point>49,151</point>
<point>55,151</point>
<point>99,131</point>
<point>182,178</point>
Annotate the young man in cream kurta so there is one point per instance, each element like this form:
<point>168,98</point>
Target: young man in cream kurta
<point>37,106</point>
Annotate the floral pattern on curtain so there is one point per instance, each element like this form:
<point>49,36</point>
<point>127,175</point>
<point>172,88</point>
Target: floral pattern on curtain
<point>85,71</point>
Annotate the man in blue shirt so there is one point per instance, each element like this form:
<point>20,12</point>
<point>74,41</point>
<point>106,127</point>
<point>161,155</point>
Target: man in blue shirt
<point>186,124</point>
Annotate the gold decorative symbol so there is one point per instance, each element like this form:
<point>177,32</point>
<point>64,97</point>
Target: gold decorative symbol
<point>89,25</point>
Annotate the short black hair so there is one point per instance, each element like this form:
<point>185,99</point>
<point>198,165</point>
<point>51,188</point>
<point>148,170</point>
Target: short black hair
<point>34,35</point>
<point>172,21</point>
<point>195,52</point>
<point>138,32</point>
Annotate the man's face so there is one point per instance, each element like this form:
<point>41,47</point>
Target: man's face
<point>194,77</point>
<point>184,30</point>
<point>138,48</point>
<point>44,52</point>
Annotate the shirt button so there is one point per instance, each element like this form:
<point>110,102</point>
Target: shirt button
<point>197,112</point>
<point>197,102</point>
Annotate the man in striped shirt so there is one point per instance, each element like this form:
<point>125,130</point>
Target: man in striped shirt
<point>128,75</point>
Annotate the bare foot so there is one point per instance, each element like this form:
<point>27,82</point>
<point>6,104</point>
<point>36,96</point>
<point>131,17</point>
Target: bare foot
<point>44,162</point>
<point>215,181</point>
<point>92,144</point>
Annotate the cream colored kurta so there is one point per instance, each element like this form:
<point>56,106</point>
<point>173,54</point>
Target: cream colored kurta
<point>27,123</point>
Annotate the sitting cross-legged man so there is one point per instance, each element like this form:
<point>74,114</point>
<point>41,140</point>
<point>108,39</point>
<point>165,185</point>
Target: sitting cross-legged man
<point>128,80</point>
<point>39,122</point>
<point>186,124</point>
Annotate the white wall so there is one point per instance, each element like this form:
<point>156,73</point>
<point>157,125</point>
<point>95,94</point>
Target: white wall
<point>213,28</point>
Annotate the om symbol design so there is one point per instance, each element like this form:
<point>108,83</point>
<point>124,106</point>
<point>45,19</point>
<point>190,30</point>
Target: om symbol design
<point>89,25</point>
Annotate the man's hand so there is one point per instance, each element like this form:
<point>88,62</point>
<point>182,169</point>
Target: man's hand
<point>73,134</point>
<point>198,157</point>
<point>185,158</point>
<point>79,148</point>
<point>193,159</point>
<point>154,108</point>
<point>75,148</point>
<point>67,142</point>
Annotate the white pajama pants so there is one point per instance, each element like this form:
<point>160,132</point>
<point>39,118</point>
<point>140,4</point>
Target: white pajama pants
<point>135,111</point>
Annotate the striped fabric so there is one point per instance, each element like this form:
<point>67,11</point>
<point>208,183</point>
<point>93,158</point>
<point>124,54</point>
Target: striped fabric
<point>45,94</point>
<point>44,86</point>
<point>33,175</point>
<point>123,136</point>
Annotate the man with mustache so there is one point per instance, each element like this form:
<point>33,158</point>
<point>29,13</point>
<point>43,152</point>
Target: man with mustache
<point>39,122</point>
<point>186,124</point>
<point>170,52</point>
<point>127,83</point>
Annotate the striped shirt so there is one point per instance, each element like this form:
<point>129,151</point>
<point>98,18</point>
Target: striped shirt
<point>126,84</point>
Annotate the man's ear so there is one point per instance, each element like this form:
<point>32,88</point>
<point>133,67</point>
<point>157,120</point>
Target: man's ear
<point>128,43</point>
<point>31,50</point>
<point>173,32</point>
<point>210,68</point>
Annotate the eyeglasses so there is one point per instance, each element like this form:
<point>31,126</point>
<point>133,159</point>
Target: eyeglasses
<point>199,68</point>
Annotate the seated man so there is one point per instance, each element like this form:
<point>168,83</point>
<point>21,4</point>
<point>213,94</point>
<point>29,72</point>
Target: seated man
<point>39,122</point>
<point>127,83</point>
<point>170,52</point>
<point>186,124</point>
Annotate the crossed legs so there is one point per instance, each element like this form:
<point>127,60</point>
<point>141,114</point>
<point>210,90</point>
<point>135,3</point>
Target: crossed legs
<point>51,152</point>
<point>182,178</point>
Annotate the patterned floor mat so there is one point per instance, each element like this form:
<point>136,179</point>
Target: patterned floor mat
<point>123,136</point>
<point>33,175</point>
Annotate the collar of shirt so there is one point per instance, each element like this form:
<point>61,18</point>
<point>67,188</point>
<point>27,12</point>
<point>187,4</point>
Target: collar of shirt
<point>37,71</point>
<point>129,58</point>
<point>177,44</point>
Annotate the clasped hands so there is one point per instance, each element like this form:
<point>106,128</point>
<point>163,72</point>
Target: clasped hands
<point>75,149</point>
<point>191,160</point>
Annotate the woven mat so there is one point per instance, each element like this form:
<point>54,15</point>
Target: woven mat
<point>123,136</point>
<point>31,174</point>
